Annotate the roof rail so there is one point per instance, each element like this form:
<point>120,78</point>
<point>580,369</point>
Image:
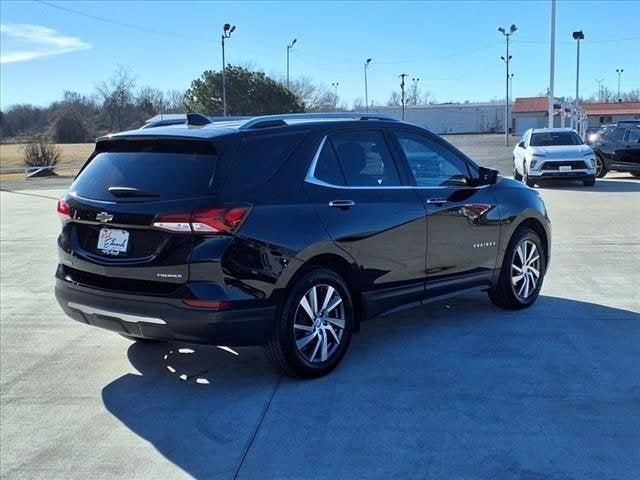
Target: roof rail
<point>278,120</point>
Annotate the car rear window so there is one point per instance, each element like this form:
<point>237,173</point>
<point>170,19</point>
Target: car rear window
<point>159,169</point>
<point>554,139</point>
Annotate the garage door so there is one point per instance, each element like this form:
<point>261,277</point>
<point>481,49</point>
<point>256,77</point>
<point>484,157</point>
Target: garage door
<point>525,123</point>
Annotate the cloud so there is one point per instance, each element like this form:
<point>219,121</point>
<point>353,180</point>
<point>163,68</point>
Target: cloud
<point>22,42</point>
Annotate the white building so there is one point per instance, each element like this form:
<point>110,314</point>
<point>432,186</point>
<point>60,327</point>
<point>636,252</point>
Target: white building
<point>450,118</point>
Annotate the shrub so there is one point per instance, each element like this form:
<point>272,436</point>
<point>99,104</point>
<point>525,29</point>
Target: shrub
<point>39,151</point>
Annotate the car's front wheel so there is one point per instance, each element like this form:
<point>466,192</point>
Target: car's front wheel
<point>527,180</point>
<point>589,183</point>
<point>314,326</point>
<point>522,272</point>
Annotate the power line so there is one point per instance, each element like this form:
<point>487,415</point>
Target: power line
<point>127,25</point>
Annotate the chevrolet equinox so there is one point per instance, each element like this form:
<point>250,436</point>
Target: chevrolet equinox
<point>288,231</point>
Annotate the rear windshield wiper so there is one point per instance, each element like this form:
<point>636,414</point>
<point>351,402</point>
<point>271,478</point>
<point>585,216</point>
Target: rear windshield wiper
<point>122,192</point>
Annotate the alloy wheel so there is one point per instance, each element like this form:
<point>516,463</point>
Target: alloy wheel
<point>525,269</point>
<point>319,323</point>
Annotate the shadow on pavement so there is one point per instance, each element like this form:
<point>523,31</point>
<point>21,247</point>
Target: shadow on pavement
<point>630,185</point>
<point>455,389</point>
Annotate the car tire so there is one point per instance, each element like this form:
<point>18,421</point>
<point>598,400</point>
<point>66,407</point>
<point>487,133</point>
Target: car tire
<point>516,175</point>
<point>635,174</point>
<point>306,330</point>
<point>589,183</point>
<point>510,292</point>
<point>140,340</point>
<point>601,167</point>
<point>527,181</point>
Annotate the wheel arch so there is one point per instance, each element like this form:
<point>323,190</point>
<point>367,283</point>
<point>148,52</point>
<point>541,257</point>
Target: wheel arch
<point>537,226</point>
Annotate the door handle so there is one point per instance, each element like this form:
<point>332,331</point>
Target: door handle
<point>342,204</point>
<point>437,200</point>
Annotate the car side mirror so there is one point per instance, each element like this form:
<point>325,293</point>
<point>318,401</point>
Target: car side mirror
<point>521,145</point>
<point>487,176</point>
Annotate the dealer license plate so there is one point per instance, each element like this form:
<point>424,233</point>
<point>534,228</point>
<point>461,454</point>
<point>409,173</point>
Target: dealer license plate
<point>113,242</point>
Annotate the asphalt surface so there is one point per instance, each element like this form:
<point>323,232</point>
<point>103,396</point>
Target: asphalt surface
<point>453,390</point>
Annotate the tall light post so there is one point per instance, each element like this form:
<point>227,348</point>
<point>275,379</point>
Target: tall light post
<point>599,82</point>
<point>289,47</point>
<point>335,95</point>
<point>402,76</point>
<point>366,88</point>
<point>619,72</point>
<point>227,30</point>
<point>414,92</point>
<point>510,90</point>
<point>552,63</point>
<point>577,36</point>
<point>507,59</point>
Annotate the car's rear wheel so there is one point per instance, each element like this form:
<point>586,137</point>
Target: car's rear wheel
<point>601,167</point>
<point>522,272</point>
<point>589,183</point>
<point>314,326</point>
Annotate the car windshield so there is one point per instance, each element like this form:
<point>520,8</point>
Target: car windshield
<point>554,139</point>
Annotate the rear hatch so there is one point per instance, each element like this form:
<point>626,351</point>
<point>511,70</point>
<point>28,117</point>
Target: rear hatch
<point>130,208</point>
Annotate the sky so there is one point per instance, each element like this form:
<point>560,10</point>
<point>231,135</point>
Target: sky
<point>452,47</point>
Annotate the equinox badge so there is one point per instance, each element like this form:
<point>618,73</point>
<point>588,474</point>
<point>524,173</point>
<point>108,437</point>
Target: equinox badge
<point>104,217</point>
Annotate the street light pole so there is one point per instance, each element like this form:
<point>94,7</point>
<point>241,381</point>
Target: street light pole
<point>335,95</point>
<point>510,90</point>
<point>227,30</point>
<point>414,92</point>
<point>577,36</point>
<point>402,90</point>
<point>366,88</point>
<point>289,47</point>
<point>599,82</point>
<point>619,72</point>
<point>506,60</point>
<point>552,62</point>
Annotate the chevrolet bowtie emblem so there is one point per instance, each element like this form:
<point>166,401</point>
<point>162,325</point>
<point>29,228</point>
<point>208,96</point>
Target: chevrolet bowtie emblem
<point>104,217</point>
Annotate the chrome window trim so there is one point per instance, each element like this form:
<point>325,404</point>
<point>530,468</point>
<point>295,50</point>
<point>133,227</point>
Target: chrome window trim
<point>310,178</point>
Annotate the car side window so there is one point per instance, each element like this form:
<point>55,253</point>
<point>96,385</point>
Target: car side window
<point>617,134</point>
<point>365,159</point>
<point>633,135</point>
<point>432,164</point>
<point>327,166</point>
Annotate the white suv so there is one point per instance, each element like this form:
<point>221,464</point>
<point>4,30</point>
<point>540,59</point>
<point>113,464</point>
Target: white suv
<point>553,154</point>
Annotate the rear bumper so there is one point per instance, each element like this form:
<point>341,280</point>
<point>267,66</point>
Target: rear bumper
<point>161,318</point>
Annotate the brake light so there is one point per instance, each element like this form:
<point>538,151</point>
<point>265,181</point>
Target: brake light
<point>210,304</point>
<point>64,211</point>
<point>211,220</point>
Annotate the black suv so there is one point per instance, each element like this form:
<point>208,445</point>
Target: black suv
<point>617,148</point>
<point>288,231</point>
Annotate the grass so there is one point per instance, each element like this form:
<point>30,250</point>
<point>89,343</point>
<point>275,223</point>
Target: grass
<point>72,158</point>
<point>73,154</point>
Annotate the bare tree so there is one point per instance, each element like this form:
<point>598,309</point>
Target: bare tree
<point>117,97</point>
<point>395,100</point>
<point>632,95</point>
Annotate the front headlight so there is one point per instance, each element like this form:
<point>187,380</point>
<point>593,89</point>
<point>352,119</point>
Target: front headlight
<point>592,162</point>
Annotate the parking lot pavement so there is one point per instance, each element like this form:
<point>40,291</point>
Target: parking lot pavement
<point>456,389</point>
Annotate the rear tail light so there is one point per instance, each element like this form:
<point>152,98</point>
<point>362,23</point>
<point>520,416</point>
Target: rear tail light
<point>210,304</point>
<point>64,211</point>
<point>224,220</point>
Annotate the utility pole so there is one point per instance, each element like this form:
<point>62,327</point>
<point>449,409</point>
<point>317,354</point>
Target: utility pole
<point>402,76</point>
<point>227,30</point>
<point>619,72</point>
<point>599,82</point>
<point>577,36</point>
<point>552,61</point>
<point>506,59</point>
<point>289,47</point>
<point>335,95</point>
<point>366,88</point>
